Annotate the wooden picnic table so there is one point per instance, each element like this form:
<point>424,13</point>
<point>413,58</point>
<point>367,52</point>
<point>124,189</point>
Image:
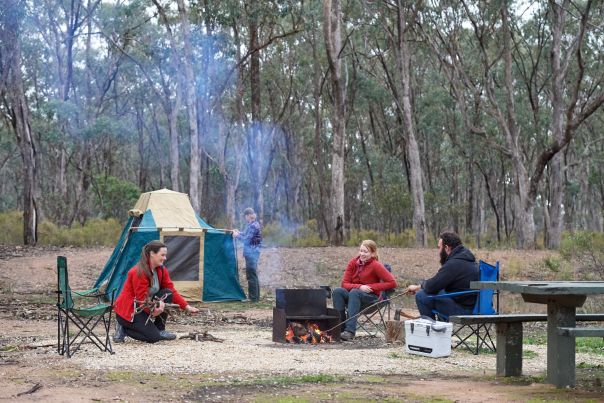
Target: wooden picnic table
<point>562,299</point>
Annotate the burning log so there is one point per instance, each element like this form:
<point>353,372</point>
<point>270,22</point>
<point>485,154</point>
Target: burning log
<point>308,334</point>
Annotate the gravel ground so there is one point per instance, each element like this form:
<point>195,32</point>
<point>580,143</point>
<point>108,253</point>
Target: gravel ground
<point>249,352</point>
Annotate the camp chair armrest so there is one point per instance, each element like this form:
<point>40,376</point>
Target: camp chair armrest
<point>94,293</point>
<point>454,294</point>
<point>86,293</point>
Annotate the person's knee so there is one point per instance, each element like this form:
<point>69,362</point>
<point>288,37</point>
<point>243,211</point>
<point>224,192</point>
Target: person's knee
<point>340,292</point>
<point>356,293</point>
<point>421,297</point>
<point>339,297</point>
<point>164,291</point>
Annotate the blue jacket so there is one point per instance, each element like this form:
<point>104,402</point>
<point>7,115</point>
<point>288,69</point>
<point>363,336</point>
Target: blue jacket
<point>251,238</point>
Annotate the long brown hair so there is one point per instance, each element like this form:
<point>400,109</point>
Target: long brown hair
<point>372,246</point>
<point>142,267</point>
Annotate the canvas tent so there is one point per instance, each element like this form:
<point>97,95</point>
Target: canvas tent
<point>201,260</point>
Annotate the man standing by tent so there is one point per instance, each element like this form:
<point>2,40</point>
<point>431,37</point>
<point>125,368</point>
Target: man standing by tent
<point>252,241</point>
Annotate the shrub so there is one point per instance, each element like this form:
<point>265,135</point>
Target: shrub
<point>11,223</point>
<point>94,233</point>
<point>560,269</point>
<point>275,234</point>
<point>115,196</point>
<point>585,250</point>
<point>405,239</point>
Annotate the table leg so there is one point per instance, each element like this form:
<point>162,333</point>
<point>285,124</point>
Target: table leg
<point>560,349</point>
<point>509,349</point>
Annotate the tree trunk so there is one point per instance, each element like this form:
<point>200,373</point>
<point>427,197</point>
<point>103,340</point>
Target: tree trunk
<point>332,17</point>
<point>255,152</point>
<point>195,160</point>
<point>554,232</point>
<point>415,167</point>
<point>172,109</point>
<point>19,115</point>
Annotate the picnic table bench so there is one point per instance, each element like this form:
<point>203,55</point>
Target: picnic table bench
<point>562,299</point>
<point>508,328</point>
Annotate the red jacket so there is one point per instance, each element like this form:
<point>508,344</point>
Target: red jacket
<point>137,287</point>
<point>372,273</point>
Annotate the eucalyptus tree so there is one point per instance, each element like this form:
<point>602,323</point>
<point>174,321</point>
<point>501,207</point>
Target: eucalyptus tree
<point>496,45</point>
<point>398,20</point>
<point>332,35</point>
<point>575,93</point>
<point>16,111</point>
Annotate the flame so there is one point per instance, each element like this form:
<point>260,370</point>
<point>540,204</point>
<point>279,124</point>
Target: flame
<point>310,333</point>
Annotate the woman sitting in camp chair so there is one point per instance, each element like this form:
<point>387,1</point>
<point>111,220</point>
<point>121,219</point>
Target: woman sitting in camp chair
<point>140,308</point>
<point>365,277</point>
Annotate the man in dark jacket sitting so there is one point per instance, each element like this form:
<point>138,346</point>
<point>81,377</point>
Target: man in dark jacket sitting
<point>458,268</point>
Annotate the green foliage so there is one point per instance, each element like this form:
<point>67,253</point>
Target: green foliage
<point>513,269</point>
<point>275,234</point>
<point>560,269</point>
<point>585,250</point>
<point>11,223</point>
<point>115,196</point>
<point>590,345</point>
<point>292,380</point>
<point>539,339</point>
<point>405,239</point>
<point>94,232</point>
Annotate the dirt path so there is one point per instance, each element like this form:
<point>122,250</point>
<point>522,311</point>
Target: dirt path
<point>247,366</point>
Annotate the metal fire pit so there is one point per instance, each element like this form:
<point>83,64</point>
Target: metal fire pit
<point>303,305</point>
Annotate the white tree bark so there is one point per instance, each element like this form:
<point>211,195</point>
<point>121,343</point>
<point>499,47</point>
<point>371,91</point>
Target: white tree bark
<point>195,160</point>
<point>332,18</point>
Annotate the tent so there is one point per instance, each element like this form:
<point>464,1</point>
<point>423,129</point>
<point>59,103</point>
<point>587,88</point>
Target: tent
<point>201,259</point>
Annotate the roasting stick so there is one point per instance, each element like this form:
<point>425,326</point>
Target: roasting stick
<point>403,313</point>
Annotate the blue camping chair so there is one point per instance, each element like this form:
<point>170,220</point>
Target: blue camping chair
<point>483,306</point>
<point>372,320</point>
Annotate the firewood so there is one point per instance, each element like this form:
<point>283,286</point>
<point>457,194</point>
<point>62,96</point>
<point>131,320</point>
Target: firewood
<point>394,331</point>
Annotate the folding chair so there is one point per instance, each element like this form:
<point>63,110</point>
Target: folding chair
<point>372,320</point>
<point>84,309</point>
<point>483,306</point>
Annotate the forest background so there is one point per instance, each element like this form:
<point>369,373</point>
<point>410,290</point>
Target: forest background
<point>336,120</point>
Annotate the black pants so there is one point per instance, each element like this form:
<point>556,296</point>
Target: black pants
<point>144,328</point>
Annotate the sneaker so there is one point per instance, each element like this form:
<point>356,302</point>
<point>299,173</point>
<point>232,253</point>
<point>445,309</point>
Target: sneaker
<point>120,334</point>
<point>165,335</point>
<point>346,335</point>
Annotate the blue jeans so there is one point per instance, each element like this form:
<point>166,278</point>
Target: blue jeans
<point>444,305</point>
<point>352,301</point>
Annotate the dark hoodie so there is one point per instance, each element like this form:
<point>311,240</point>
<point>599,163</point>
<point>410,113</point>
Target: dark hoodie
<point>455,275</point>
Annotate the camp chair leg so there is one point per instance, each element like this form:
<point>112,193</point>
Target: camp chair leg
<point>87,332</point>
<point>485,340</point>
<point>372,323</point>
<point>71,344</point>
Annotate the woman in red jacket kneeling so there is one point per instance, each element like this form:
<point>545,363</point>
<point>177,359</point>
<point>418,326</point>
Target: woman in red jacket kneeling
<point>364,279</point>
<point>147,281</point>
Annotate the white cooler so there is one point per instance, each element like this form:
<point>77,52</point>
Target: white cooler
<point>428,337</point>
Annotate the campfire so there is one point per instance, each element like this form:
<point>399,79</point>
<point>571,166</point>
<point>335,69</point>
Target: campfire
<point>301,316</point>
<point>308,333</point>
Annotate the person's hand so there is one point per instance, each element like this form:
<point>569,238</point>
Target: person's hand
<point>412,289</point>
<point>191,309</point>
<point>236,233</point>
<point>159,308</point>
<point>366,289</point>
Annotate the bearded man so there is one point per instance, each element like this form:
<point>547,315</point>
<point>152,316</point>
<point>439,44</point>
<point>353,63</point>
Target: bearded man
<point>458,268</point>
